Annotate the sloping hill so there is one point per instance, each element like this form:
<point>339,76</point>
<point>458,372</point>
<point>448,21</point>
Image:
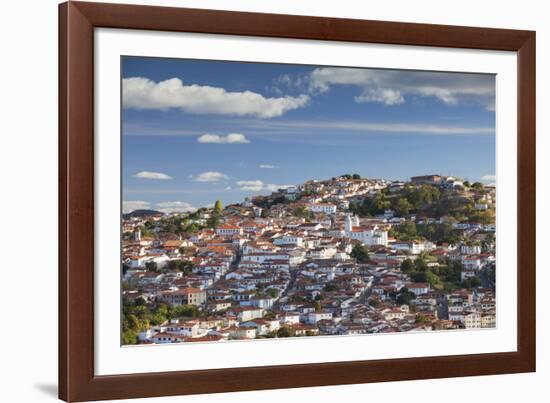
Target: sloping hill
<point>142,213</point>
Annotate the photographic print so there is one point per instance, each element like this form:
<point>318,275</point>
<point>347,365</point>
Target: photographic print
<point>264,201</point>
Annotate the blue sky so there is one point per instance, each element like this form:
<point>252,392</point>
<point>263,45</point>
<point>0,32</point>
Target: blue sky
<point>196,131</point>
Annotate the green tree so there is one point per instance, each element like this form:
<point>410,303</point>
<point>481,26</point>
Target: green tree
<point>184,266</point>
<point>317,306</point>
<point>405,296</point>
<point>434,279</point>
<point>423,196</point>
<point>132,322</point>
<point>129,337</point>
<point>380,203</point>
<point>420,318</point>
<point>140,301</point>
<point>361,253</point>
<point>420,264</point>
<point>171,228</point>
<point>374,302</point>
<point>330,287</point>
<point>151,266</point>
<point>407,266</point>
<point>402,207</point>
<point>146,231</point>
<point>475,281</point>
<point>419,277</point>
<point>286,332</point>
<point>408,230</point>
<point>191,228</point>
<point>184,311</point>
<point>451,272</point>
<point>213,221</point>
<point>218,207</point>
<point>303,212</point>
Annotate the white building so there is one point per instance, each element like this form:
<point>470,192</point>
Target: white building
<point>419,288</point>
<point>290,318</point>
<point>225,230</point>
<point>262,257</point>
<point>187,329</point>
<point>414,248</point>
<point>322,253</point>
<point>326,208</point>
<point>466,274</point>
<point>367,235</point>
<point>470,249</point>
<point>314,317</point>
<point>471,262</point>
<point>166,338</point>
<point>472,320</point>
<point>289,240</point>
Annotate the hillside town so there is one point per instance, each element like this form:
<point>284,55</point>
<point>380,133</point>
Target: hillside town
<point>347,255</point>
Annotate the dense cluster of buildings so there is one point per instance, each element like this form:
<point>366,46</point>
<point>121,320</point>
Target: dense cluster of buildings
<point>286,265</point>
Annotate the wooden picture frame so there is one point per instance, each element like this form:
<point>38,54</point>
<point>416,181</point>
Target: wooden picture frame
<point>77,21</point>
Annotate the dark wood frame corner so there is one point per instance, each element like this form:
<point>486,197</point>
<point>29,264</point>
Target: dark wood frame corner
<point>77,20</point>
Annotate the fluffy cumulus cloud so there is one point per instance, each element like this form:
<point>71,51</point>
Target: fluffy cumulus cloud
<point>143,93</point>
<point>174,207</point>
<point>211,176</point>
<point>152,175</point>
<point>130,205</point>
<point>392,87</point>
<point>232,138</point>
<point>259,186</point>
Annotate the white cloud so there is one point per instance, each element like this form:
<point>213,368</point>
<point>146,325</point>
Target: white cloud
<point>382,95</point>
<point>297,82</point>
<point>231,138</point>
<point>228,188</point>
<point>268,166</point>
<point>489,178</point>
<point>211,176</point>
<point>390,87</point>
<point>130,205</point>
<point>142,93</point>
<point>175,207</point>
<point>152,175</point>
<point>252,186</point>
<point>285,79</point>
<point>259,186</point>
<point>307,127</point>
